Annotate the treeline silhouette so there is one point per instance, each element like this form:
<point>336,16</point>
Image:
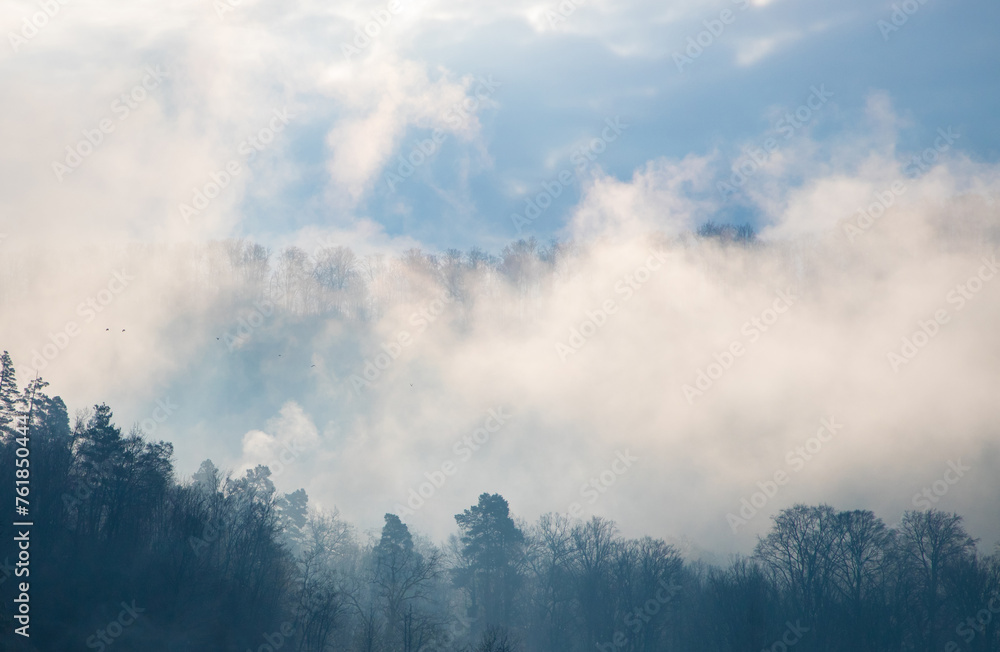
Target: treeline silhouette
<point>331,280</point>
<point>126,557</point>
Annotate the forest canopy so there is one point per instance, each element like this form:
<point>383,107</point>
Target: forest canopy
<point>130,557</point>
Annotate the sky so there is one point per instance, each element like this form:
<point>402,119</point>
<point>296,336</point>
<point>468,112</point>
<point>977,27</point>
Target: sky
<point>137,135</point>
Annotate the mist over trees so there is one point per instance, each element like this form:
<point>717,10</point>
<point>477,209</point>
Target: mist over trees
<point>127,556</point>
<point>333,281</point>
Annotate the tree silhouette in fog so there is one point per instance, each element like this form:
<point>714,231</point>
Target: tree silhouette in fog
<point>224,562</point>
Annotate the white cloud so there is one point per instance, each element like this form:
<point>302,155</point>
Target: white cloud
<point>382,98</point>
<point>290,435</point>
<point>623,389</point>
